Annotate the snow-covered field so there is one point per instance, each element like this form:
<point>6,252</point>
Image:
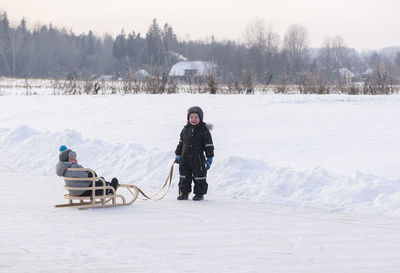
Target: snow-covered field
<point>298,184</point>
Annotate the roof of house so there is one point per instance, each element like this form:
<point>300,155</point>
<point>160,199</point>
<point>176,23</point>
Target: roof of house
<point>105,78</point>
<point>141,73</point>
<point>345,72</point>
<point>203,68</point>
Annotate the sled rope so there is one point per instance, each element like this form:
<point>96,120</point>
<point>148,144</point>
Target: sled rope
<point>167,182</point>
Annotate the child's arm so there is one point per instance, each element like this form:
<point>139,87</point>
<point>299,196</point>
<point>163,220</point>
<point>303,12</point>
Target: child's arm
<point>178,150</point>
<point>208,144</point>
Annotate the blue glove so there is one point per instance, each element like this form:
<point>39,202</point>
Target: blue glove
<point>208,162</point>
<point>177,159</point>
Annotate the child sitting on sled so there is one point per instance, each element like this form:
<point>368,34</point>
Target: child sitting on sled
<point>195,145</point>
<point>68,159</point>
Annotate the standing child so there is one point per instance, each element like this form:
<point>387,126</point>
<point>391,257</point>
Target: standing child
<point>195,141</point>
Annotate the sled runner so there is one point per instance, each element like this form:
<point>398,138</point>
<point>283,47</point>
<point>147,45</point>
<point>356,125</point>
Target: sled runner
<point>112,199</point>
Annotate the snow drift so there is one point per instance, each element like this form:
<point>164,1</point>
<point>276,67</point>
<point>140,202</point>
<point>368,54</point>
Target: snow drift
<point>26,150</point>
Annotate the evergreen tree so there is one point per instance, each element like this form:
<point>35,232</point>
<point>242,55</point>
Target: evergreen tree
<point>119,46</point>
<point>20,48</point>
<point>135,50</point>
<point>170,44</point>
<point>397,59</point>
<point>169,39</point>
<point>5,45</point>
<point>154,46</point>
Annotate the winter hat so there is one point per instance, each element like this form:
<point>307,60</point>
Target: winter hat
<point>72,154</point>
<point>64,155</point>
<point>197,110</point>
<point>67,155</point>
<point>62,148</point>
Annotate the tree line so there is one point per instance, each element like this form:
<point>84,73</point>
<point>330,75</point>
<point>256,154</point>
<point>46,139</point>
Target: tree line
<point>263,58</point>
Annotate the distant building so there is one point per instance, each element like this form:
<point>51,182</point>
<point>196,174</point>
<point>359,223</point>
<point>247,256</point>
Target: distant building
<point>368,72</point>
<point>191,71</point>
<point>106,78</point>
<point>346,73</point>
<point>140,75</point>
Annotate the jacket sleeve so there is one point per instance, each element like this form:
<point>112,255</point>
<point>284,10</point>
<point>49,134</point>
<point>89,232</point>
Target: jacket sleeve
<point>208,144</point>
<point>61,167</point>
<point>178,150</point>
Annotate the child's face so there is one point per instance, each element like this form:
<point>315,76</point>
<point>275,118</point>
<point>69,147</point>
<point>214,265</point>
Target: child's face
<point>73,160</point>
<point>194,119</point>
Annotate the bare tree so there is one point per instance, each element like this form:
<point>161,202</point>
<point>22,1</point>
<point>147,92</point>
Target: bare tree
<point>313,83</point>
<point>158,82</point>
<point>263,47</point>
<point>258,35</point>
<point>249,83</point>
<point>296,48</point>
<point>88,85</point>
<point>28,87</point>
<point>340,51</point>
<point>56,84</point>
<point>383,79</point>
<point>172,85</point>
<point>212,81</point>
<point>283,85</point>
<point>332,57</point>
<point>129,83</point>
<point>326,58</point>
<point>71,86</point>
<point>233,84</point>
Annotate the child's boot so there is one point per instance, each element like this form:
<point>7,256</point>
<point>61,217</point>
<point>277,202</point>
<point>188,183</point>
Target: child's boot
<point>114,183</point>
<point>183,196</point>
<point>198,197</point>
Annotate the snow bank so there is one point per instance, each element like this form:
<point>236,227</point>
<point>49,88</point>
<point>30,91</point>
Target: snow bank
<point>25,150</point>
<point>255,180</point>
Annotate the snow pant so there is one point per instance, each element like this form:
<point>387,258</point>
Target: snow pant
<point>197,172</point>
<point>97,192</point>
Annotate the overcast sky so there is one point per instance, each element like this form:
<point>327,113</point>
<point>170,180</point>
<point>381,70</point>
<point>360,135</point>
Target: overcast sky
<point>364,24</point>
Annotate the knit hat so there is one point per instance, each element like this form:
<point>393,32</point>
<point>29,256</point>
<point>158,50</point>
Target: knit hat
<point>62,148</point>
<point>72,154</point>
<point>66,155</point>
<point>197,110</point>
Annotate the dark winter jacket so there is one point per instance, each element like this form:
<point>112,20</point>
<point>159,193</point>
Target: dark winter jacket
<point>195,141</point>
<point>61,170</point>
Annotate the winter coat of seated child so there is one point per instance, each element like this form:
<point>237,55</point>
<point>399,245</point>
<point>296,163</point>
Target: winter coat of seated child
<point>67,159</point>
<point>195,142</point>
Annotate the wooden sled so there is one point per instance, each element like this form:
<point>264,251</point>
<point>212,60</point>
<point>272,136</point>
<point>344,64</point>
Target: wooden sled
<point>97,201</point>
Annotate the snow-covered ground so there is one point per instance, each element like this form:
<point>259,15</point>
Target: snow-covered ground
<point>298,184</point>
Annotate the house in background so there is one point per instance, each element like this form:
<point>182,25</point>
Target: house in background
<point>106,78</point>
<point>346,73</point>
<point>187,71</point>
<point>140,75</point>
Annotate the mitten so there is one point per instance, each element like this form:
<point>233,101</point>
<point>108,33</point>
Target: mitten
<point>177,159</point>
<point>208,162</point>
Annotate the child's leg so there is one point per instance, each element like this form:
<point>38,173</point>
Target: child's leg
<point>185,178</point>
<point>97,192</point>
<point>200,180</point>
